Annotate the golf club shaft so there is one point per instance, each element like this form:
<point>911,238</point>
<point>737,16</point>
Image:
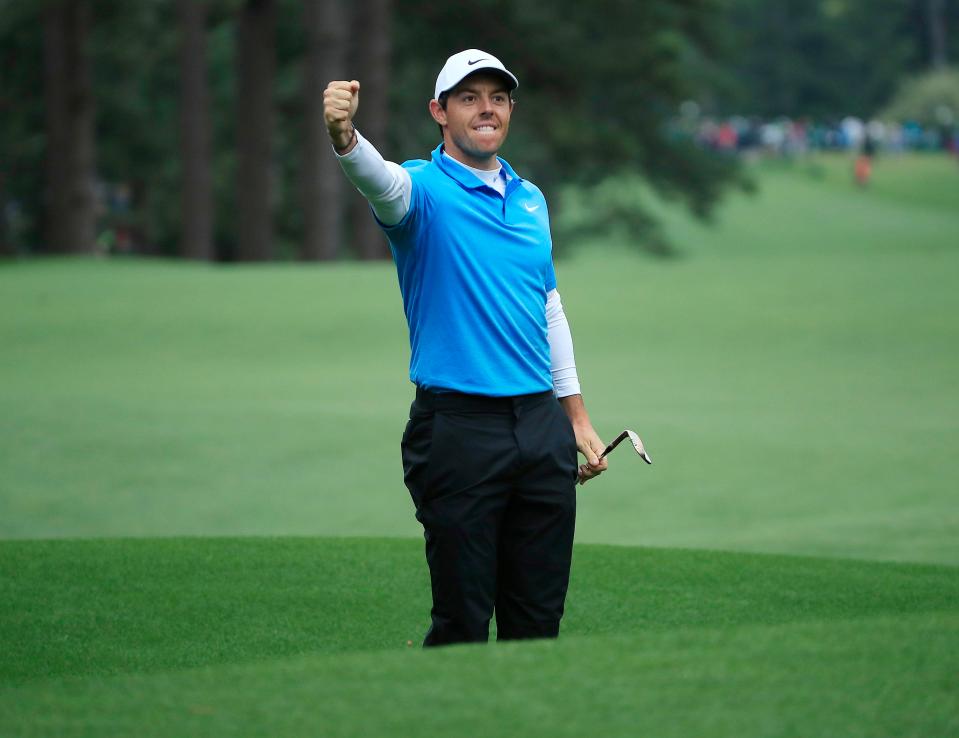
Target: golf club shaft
<point>614,444</point>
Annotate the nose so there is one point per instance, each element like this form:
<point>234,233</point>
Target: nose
<point>486,106</point>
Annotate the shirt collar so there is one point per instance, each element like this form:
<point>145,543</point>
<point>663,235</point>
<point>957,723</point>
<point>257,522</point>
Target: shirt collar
<point>464,176</point>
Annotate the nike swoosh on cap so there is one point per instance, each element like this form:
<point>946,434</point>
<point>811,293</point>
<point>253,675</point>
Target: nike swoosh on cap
<point>477,61</point>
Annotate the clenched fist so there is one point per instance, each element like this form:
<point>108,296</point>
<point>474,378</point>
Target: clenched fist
<point>340,101</point>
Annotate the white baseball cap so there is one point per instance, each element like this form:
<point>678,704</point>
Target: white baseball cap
<point>464,63</point>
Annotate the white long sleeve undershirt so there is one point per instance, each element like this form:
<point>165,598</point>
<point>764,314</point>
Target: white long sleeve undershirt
<point>388,188</point>
<point>386,185</point>
<point>562,363</point>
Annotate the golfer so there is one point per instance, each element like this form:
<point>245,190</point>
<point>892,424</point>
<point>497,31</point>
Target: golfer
<point>489,453</point>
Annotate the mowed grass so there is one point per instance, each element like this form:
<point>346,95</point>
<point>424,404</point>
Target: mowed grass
<point>288,637</point>
<point>794,376</point>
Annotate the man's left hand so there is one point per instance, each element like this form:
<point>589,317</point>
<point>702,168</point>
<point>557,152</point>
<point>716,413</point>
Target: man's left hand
<point>590,446</point>
<point>587,441</point>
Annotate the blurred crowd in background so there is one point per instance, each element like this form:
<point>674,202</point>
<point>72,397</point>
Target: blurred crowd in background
<point>787,137</point>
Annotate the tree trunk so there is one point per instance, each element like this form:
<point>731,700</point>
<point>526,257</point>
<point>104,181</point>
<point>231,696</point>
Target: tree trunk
<point>936,20</point>
<point>196,236</point>
<point>327,26</point>
<point>69,217</point>
<point>6,248</point>
<point>255,72</point>
<point>372,32</point>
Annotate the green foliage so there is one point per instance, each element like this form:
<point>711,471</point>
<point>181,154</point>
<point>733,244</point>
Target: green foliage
<point>609,210</point>
<point>931,99</point>
<point>22,139</point>
<point>828,58</point>
<point>598,84</point>
<point>135,85</point>
<point>597,90</point>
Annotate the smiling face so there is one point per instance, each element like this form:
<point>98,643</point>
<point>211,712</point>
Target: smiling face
<point>475,120</point>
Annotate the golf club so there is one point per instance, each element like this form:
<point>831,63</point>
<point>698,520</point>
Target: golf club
<point>637,444</point>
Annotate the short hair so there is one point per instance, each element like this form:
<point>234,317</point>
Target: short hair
<point>443,99</point>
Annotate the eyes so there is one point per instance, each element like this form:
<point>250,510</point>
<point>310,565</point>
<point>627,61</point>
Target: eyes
<point>498,98</point>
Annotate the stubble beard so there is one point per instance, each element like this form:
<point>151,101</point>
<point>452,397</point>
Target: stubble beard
<point>474,152</point>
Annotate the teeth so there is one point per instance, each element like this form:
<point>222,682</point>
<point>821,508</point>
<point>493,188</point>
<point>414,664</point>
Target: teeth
<point>486,128</point>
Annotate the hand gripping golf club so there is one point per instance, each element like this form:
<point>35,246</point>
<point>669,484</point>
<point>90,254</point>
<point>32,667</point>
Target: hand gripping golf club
<point>635,440</point>
<point>637,445</point>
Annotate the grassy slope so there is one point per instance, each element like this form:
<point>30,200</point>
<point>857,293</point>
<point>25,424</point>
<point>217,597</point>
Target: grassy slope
<point>294,636</point>
<point>869,678</point>
<point>794,378</point>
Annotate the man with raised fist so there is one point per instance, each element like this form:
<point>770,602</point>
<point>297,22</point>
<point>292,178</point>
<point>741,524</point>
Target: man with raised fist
<point>489,453</point>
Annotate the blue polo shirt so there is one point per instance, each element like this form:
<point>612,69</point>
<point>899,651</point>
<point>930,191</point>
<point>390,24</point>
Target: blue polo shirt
<point>474,268</point>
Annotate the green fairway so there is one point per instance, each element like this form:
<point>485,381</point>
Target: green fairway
<point>204,530</point>
<point>793,376</point>
<point>870,678</point>
<point>309,636</point>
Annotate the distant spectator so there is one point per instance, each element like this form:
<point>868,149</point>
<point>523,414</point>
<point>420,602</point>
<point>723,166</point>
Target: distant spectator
<point>863,166</point>
<point>876,130</point>
<point>726,137</point>
<point>895,138</point>
<point>772,137</point>
<point>854,131</point>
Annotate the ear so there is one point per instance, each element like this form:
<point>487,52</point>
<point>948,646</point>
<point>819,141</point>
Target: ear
<point>436,110</point>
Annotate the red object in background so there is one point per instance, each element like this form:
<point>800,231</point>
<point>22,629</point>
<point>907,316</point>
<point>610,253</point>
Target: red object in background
<point>726,138</point>
<point>863,170</point>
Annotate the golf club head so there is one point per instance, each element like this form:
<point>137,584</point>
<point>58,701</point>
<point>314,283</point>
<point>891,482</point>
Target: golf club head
<point>635,440</point>
<point>638,445</point>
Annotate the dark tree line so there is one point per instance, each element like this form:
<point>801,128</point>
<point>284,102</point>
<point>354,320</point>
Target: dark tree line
<point>828,58</point>
<point>323,187</point>
<point>196,178</point>
<point>70,156</point>
<point>195,132</point>
<point>255,73</point>
<point>194,127</point>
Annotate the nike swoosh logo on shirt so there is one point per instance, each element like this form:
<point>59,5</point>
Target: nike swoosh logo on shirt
<point>477,61</point>
<point>530,208</point>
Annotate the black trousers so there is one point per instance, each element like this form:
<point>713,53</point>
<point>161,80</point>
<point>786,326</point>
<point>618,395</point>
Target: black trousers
<point>493,481</point>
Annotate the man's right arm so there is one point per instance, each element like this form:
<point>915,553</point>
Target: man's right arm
<point>386,185</point>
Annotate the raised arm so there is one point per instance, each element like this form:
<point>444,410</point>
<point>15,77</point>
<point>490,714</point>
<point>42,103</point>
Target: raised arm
<point>387,186</point>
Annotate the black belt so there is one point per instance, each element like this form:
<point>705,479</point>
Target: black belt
<point>462,402</point>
